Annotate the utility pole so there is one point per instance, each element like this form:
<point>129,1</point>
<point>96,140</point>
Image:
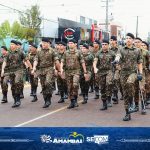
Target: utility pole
<point>137,25</point>
<point>106,21</point>
<point>107,14</point>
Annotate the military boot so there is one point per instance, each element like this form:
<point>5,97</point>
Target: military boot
<point>143,111</point>
<point>47,100</point>
<point>132,108</point>
<point>17,101</point>
<point>31,94</point>
<point>34,95</point>
<point>104,105</point>
<point>127,117</point>
<point>109,101</point>
<point>71,104</point>
<point>62,97</point>
<point>96,93</point>
<point>115,97</point>
<point>4,100</point>
<point>75,101</point>
<point>21,95</point>
<point>85,98</point>
<point>66,95</point>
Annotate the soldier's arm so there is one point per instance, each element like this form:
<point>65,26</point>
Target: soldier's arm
<point>95,64</point>
<point>3,67</point>
<point>139,62</point>
<point>28,64</point>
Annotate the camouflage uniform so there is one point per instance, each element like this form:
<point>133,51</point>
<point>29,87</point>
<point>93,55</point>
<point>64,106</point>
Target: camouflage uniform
<point>33,79</point>
<point>92,81</point>
<point>147,86</point>
<point>72,62</point>
<point>4,88</point>
<point>61,83</point>
<point>130,57</point>
<point>88,58</point>
<point>14,61</point>
<point>104,75</point>
<point>45,71</point>
<point>116,83</point>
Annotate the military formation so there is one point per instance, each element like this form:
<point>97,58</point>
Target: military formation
<point>111,71</point>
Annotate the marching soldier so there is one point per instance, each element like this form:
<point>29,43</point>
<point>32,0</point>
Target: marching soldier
<point>130,59</point>
<point>103,73</point>
<point>96,48</point>
<point>44,64</point>
<point>85,82</point>
<point>14,63</point>
<point>33,79</point>
<point>145,57</point>
<point>117,84</point>
<point>61,83</point>
<point>72,61</point>
<point>4,88</point>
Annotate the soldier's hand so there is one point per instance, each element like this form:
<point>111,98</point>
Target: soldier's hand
<point>95,70</point>
<point>33,71</point>
<point>2,73</point>
<point>86,76</point>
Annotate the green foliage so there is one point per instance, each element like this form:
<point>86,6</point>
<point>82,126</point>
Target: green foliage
<point>31,21</point>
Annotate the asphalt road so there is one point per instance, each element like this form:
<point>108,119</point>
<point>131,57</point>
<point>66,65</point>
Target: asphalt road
<point>31,114</point>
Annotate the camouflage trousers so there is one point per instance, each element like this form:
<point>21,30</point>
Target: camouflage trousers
<point>62,84</point>
<point>117,83</point>
<point>147,82</point>
<point>16,79</point>
<point>3,86</point>
<point>137,87</point>
<point>84,85</point>
<point>33,81</point>
<point>72,84</point>
<point>106,84</point>
<point>128,86</point>
<point>46,76</point>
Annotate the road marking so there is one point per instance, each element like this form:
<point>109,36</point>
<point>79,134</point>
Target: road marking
<point>43,116</point>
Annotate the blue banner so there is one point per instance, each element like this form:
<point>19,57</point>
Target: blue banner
<point>75,138</point>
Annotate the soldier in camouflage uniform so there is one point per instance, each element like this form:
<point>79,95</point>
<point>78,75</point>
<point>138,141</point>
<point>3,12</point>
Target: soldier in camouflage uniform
<point>14,63</point>
<point>92,76</point>
<point>4,88</point>
<point>33,79</point>
<point>72,61</point>
<point>145,57</point>
<point>103,73</point>
<point>145,46</point>
<point>130,59</point>
<point>61,83</point>
<point>19,47</point>
<point>88,58</point>
<point>96,48</point>
<point>116,82</point>
<point>44,62</point>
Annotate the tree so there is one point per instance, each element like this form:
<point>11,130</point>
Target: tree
<point>31,21</point>
<point>16,30</point>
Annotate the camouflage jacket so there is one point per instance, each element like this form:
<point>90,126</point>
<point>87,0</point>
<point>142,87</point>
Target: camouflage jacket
<point>31,57</point>
<point>145,56</point>
<point>88,58</point>
<point>72,61</point>
<point>104,61</point>
<point>14,60</point>
<point>46,58</point>
<point>129,58</point>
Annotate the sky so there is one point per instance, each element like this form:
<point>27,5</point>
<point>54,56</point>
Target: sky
<point>124,11</point>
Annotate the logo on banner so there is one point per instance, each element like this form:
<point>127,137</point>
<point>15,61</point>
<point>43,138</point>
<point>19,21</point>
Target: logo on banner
<point>69,33</point>
<point>73,138</point>
<point>98,139</point>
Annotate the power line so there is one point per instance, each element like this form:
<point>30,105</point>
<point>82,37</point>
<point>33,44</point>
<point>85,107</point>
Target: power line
<point>27,13</point>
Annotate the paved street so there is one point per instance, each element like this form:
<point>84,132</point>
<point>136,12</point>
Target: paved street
<point>57,115</point>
